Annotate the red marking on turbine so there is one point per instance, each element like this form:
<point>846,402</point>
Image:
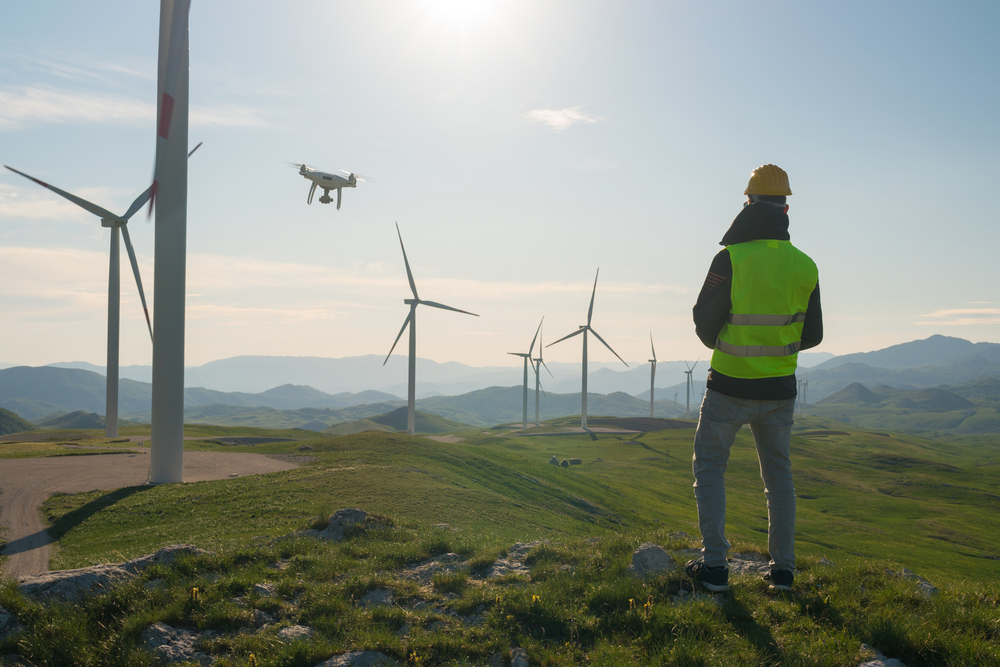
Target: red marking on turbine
<point>145,310</point>
<point>166,111</point>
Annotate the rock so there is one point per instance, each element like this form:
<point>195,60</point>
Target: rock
<point>554,461</point>
<point>341,519</point>
<point>879,660</point>
<point>261,618</point>
<point>651,559</point>
<point>514,562</point>
<point>518,657</point>
<point>305,448</point>
<point>565,463</point>
<point>926,589</point>
<point>71,585</point>
<point>424,572</point>
<point>575,462</point>
<point>496,660</point>
<point>264,590</point>
<point>749,564</point>
<point>8,624</point>
<point>380,597</point>
<point>360,659</point>
<point>825,562</point>
<point>293,632</point>
<point>170,645</point>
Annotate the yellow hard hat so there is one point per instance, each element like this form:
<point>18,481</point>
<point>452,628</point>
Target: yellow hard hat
<point>768,179</point>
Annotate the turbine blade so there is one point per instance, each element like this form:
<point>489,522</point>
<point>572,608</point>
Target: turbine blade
<point>547,368</point>
<point>82,203</point>
<point>531,349</point>
<point>607,346</point>
<point>435,304</point>
<point>137,204</point>
<point>651,345</point>
<point>191,152</point>
<point>575,333</point>
<point>135,271</point>
<point>405,322</point>
<point>590,313</point>
<point>409,274</point>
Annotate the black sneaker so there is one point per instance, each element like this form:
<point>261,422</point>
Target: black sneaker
<point>779,580</point>
<point>714,579</point>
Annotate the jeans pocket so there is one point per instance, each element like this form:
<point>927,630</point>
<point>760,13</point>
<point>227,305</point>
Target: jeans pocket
<point>723,409</point>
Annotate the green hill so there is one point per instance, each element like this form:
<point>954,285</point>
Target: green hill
<point>77,420</point>
<point>359,426</point>
<point>423,422</point>
<point>11,422</point>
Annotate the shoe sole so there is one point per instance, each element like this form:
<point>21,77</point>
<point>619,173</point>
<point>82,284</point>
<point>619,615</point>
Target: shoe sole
<point>716,588</point>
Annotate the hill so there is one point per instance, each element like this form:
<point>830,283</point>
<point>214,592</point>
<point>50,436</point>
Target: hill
<point>11,422</point>
<point>423,422</point>
<point>933,351</point>
<point>359,426</point>
<point>78,419</point>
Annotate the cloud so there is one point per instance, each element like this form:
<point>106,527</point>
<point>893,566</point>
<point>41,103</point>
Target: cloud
<point>32,105</point>
<point>560,119</point>
<point>962,317</point>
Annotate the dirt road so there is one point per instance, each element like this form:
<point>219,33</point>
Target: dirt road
<point>27,483</point>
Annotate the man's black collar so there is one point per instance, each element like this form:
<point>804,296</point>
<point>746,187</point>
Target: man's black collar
<point>758,221</point>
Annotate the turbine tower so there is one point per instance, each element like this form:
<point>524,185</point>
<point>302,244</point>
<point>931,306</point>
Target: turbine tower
<point>115,222</point>
<point>652,373</point>
<point>537,365</point>
<point>690,386</point>
<point>583,329</point>
<point>527,356</point>
<point>411,321</point>
<point>169,196</point>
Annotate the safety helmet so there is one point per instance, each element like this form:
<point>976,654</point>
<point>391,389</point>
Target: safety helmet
<point>768,179</point>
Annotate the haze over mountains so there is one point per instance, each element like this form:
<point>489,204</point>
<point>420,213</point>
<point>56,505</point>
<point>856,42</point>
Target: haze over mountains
<point>296,391</point>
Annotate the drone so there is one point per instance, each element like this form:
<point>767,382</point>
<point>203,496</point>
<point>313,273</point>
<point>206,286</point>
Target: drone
<point>328,182</point>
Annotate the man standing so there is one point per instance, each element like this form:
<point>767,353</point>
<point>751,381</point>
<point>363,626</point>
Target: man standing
<point>758,307</point>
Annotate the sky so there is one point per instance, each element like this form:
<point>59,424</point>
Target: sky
<point>520,146</point>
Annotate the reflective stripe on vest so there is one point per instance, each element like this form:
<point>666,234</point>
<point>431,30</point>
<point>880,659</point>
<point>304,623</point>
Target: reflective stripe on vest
<point>770,290</point>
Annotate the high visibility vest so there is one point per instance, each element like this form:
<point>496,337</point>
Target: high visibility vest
<point>772,282</point>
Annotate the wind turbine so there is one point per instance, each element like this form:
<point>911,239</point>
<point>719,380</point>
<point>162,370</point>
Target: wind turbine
<point>537,365</point>
<point>690,386</point>
<point>115,222</point>
<point>411,321</point>
<point>527,357</point>
<point>169,196</point>
<point>583,329</point>
<point>652,373</point>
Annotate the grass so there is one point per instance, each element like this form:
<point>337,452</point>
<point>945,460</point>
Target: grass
<point>868,501</point>
<point>577,606</point>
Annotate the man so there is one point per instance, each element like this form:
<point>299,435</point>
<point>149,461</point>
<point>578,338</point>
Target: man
<point>758,307</point>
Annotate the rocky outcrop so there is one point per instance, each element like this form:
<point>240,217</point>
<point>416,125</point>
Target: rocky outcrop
<point>8,624</point>
<point>172,645</point>
<point>73,584</point>
<point>926,589</point>
<point>360,659</point>
<point>650,559</point>
<point>879,660</point>
<point>341,520</point>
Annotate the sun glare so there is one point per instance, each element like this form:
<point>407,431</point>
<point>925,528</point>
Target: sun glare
<point>460,15</point>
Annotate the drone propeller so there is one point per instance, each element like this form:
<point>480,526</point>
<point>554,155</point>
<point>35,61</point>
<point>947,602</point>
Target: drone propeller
<point>357,176</point>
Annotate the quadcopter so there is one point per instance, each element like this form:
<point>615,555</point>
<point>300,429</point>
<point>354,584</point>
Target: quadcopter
<point>328,182</point>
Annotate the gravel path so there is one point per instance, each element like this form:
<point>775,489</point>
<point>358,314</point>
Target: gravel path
<point>27,483</point>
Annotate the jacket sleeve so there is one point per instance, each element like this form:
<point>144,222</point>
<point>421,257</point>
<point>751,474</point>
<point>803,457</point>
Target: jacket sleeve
<point>812,328</point>
<point>715,300</point>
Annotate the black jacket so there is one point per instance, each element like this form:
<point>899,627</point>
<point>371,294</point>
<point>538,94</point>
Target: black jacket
<point>755,222</point>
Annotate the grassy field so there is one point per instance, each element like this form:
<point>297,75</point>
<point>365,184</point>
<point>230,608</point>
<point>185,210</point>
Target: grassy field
<point>867,501</point>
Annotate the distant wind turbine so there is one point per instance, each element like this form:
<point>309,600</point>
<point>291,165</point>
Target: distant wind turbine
<point>690,386</point>
<point>115,222</point>
<point>411,321</point>
<point>583,330</point>
<point>537,365</point>
<point>652,373</point>
<point>527,357</point>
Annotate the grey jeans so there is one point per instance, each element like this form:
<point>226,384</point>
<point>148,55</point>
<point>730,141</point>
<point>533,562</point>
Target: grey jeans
<point>771,424</point>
